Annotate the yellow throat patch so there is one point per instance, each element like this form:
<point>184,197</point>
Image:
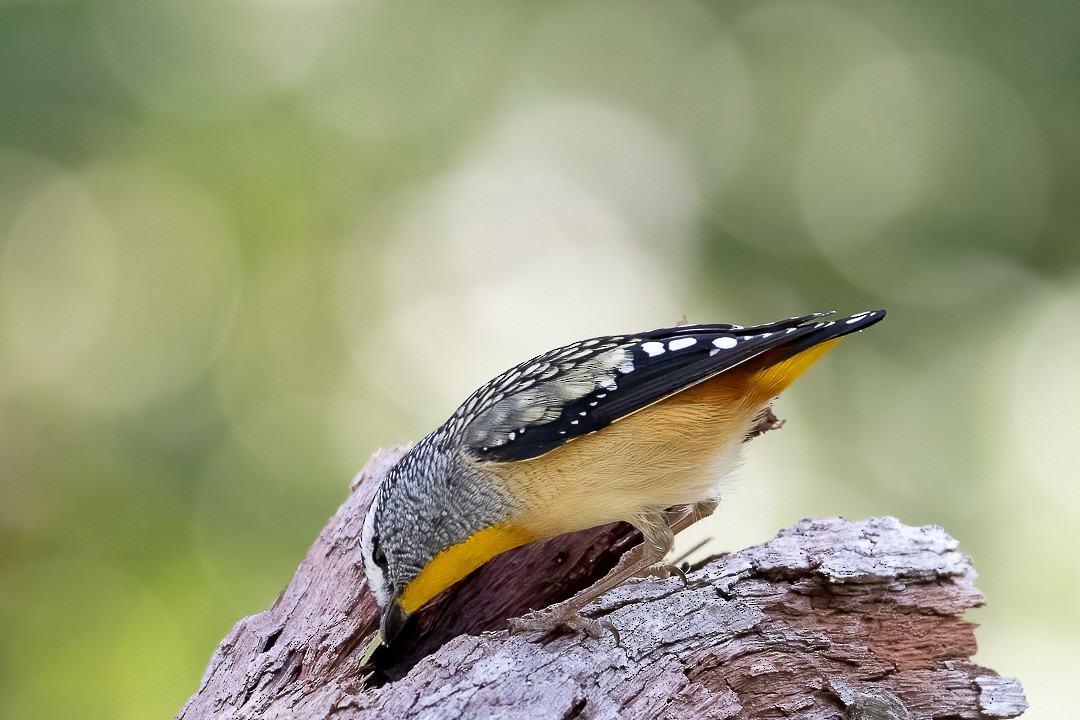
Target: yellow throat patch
<point>454,563</point>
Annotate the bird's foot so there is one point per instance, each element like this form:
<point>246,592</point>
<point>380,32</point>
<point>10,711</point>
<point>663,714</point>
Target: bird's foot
<point>561,617</point>
<point>763,423</point>
<point>664,572</point>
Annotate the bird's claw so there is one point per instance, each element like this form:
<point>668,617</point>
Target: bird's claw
<point>663,572</point>
<point>548,621</point>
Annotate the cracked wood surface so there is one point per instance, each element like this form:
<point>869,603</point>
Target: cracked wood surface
<point>830,619</point>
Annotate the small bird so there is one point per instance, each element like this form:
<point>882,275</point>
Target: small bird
<point>641,428</point>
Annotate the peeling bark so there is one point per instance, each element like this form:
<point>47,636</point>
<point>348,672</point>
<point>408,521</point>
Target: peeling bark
<point>830,619</point>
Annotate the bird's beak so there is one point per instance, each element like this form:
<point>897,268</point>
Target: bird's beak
<point>393,620</point>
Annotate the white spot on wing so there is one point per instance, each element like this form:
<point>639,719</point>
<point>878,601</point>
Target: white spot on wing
<point>626,367</point>
<point>725,343</point>
<point>512,435</point>
<point>653,348</point>
<point>681,343</point>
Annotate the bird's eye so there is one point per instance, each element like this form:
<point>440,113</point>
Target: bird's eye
<point>377,555</point>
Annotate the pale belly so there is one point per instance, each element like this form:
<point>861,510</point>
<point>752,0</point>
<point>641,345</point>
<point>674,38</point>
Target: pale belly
<point>675,452</point>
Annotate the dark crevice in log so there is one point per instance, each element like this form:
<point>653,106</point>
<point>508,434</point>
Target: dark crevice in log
<point>510,585</point>
<point>271,639</point>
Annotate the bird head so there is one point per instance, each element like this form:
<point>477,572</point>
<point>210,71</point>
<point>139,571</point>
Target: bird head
<point>436,517</point>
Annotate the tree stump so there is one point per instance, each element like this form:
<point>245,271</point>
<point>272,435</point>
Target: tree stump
<point>830,619</point>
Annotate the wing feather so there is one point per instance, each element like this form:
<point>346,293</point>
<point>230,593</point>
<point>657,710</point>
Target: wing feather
<point>580,388</point>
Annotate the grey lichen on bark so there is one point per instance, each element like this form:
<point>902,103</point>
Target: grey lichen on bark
<point>830,619</point>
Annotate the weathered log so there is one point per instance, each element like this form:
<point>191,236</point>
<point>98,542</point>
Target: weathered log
<point>830,619</point>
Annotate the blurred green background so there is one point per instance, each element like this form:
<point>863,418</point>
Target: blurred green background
<point>243,243</point>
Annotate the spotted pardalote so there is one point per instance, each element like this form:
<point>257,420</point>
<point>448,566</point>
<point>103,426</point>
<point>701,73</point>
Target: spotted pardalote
<point>641,428</point>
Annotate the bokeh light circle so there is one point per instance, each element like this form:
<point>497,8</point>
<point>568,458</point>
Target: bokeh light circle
<point>212,59</point>
<point>674,63</point>
<point>121,283</point>
<point>527,246</point>
<point>795,52</point>
<point>864,155</point>
<point>384,74</point>
<point>943,212</point>
<point>57,280</point>
<point>1046,394</point>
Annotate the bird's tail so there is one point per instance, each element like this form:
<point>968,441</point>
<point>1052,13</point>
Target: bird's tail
<point>774,370</point>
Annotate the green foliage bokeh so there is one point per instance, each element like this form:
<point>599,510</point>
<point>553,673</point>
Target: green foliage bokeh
<point>243,244</point>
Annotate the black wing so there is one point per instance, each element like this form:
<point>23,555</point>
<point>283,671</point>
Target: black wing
<point>578,389</point>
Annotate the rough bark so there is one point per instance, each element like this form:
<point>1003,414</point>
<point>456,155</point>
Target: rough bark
<point>830,619</point>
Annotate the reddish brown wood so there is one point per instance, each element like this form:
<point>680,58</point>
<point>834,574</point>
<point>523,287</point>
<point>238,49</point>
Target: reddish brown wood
<point>831,619</point>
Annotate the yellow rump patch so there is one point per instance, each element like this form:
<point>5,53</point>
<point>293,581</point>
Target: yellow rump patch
<point>454,563</point>
<point>772,380</point>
